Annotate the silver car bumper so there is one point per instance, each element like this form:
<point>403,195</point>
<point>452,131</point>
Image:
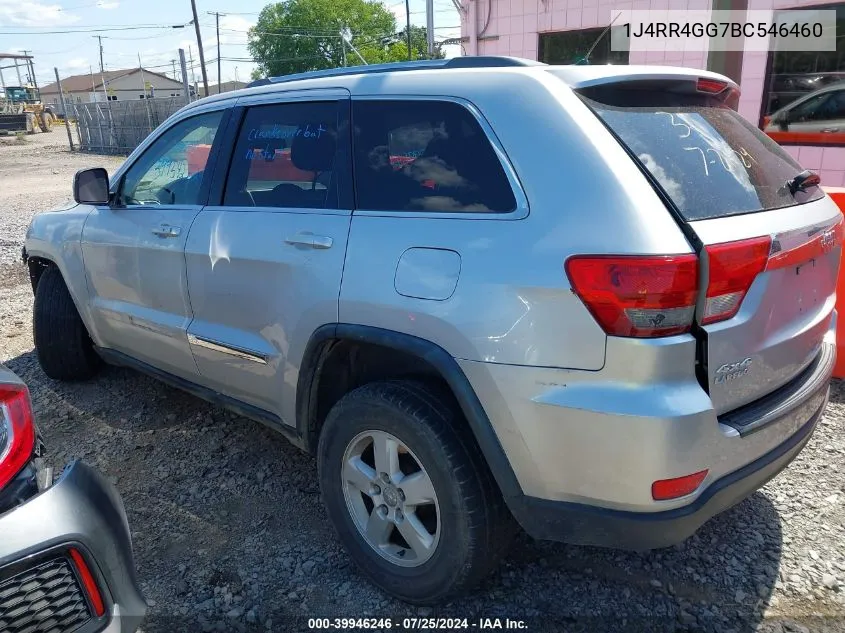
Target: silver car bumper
<point>84,512</point>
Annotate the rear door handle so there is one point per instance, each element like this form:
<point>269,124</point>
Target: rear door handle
<point>165,230</point>
<point>830,130</point>
<point>309,239</point>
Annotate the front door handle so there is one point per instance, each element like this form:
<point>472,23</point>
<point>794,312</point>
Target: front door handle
<point>309,239</point>
<point>165,230</point>
<point>830,130</point>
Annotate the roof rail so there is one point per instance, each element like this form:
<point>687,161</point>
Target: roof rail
<point>422,64</point>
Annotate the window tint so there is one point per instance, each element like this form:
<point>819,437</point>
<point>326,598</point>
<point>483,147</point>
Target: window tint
<point>285,157</point>
<point>425,155</point>
<point>708,159</point>
<point>170,171</point>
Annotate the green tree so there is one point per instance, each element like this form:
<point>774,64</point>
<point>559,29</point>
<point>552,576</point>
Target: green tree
<point>301,35</point>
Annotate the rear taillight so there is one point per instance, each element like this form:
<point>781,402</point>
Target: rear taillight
<point>637,296</point>
<point>17,431</point>
<point>733,267</point>
<point>651,296</point>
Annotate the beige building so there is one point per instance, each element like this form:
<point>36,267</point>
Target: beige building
<point>120,85</point>
<point>226,86</point>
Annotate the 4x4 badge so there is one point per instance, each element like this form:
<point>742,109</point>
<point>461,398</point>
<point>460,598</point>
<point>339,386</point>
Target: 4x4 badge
<point>828,239</point>
<point>732,371</point>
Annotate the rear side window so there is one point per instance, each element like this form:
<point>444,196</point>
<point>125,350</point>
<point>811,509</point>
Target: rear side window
<point>420,155</point>
<point>709,160</point>
<point>285,157</point>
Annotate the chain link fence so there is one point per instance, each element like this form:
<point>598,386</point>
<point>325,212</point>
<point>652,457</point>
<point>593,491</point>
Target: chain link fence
<point>118,127</point>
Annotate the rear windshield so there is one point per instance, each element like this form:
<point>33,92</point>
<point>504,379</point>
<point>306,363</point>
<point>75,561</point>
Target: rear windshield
<point>708,159</point>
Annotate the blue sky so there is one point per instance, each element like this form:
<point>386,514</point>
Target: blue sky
<point>40,26</point>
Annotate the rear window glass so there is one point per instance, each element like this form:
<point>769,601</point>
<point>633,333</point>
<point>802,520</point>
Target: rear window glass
<point>427,156</point>
<point>709,160</point>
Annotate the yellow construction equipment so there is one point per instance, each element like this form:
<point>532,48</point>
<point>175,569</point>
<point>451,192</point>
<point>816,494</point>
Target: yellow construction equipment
<point>21,109</point>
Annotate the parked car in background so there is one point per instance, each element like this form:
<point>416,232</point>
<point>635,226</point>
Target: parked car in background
<point>818,117</point>
<point>787,87</point>
<point>65,552</point>
<point>590,298</point>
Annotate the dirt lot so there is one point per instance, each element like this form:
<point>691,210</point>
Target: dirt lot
<point>229,533</point>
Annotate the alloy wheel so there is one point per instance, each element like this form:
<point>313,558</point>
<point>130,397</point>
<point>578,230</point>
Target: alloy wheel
<point>391,498</point>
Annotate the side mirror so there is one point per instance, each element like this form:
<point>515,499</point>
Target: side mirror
<point>91,186</point>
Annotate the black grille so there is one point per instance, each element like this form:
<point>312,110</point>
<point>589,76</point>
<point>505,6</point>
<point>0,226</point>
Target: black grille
<point>43,599</point>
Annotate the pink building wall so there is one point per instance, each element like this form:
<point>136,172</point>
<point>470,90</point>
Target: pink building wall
<point>518,23</point>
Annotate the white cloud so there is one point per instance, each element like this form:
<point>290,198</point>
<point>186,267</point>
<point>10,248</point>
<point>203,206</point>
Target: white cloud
<point>233,30</point>
<point>16,13</point>
<point>76,63</point>
<point>102,4</point>
<point>235,22</point>
<point>397,9</point>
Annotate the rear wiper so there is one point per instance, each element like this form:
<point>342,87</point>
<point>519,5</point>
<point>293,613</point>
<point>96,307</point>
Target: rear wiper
<point>803,181</point>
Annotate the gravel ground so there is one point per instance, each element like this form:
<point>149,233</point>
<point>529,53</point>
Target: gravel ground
<point>229,533</point>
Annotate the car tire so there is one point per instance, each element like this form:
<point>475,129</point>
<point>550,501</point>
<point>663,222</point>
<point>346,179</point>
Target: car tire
<point>473,527</point>
<point>64,348</point>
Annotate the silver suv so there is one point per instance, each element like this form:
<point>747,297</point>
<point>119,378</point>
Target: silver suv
<point>591,299</point>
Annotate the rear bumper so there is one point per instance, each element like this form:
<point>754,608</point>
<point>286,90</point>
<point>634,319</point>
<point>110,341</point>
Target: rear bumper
<point>590,525</point>
<point>585,448</point>
<point>85,512</point>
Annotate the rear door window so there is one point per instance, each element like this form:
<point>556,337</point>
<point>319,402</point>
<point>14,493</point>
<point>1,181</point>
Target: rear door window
<point>709,160</point>
<point>285,156</point>
<point>428,156</point>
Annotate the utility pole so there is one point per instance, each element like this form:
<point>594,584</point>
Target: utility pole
<point>199,45</point>
<point>65,112</point>
<point>429,26</point>
<point>31,65</point>
<point>173,67</point>
<point>102,68</point>
<point>146,94</point>
<point>105,90</point>
<point>191,61</point>
<point>343,47</point>
<point>100,40</point>
<point>217,15</point>
<point>143,79</point>
<point>184,75</point>
<point>28,70</point>
<point>408,25</point>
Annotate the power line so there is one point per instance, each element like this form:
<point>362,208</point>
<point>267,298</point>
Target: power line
<point>92,30</point>
<point>289,59</point>
<point>91,26</point>
<point>81,6</point>
<point>67,50</point>
<point>148,36</point>
<point>243,12</point>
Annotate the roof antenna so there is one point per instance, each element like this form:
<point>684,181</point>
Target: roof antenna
<point>585,60</point>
